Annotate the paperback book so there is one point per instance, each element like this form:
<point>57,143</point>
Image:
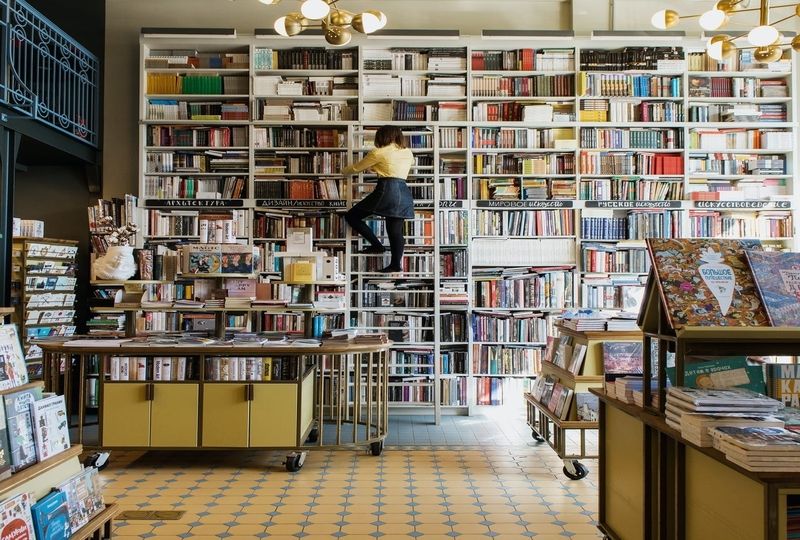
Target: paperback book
<point>84,497</point>
<point>15,518</point>
<point>777,277</point>
<point>51,517</point>
<point>20,427</point>
<point>707,282</point>
<point>50,428</point>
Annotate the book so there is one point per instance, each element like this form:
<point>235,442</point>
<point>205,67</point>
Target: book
<point>724,372</point>
<point>576,362</point>
<point>588,406</point>
<point>622,357</point>
<point>784,383</point>
<point>50,428</point>
<point>51,517</point>
<point>12,362</point>
<point>721,400</point>
<point>84,497</point>
<point>777,277</point>
<point>707,282</point>
<point>19,423</point>
<point>15,518</point>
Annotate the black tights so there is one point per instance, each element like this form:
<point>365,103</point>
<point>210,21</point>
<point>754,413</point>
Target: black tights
<point>394,229</point>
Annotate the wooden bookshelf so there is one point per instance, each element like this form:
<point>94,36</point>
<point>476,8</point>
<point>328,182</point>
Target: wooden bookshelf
<point>560,180</point>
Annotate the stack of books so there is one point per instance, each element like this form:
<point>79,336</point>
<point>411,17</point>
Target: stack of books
<point>759,449</point>
<point>696,411</point>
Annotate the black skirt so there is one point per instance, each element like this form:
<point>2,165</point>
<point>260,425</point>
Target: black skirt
<point>390,198</point>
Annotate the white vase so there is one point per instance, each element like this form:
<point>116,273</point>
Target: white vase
<point>117,264</point>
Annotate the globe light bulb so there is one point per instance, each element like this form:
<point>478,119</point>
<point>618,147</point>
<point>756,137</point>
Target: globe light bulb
<point>720,47</point>
<point>280,26</point>
<point>763,36</point>
<point>713,19</point>
<point>382,20</point>
<point>315,9</point>
<point>665,18</point>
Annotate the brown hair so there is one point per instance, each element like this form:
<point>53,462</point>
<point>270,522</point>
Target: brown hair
<point>387,135</point>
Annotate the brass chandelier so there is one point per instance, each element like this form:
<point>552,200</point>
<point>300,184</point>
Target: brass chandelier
<point>334,21</point>
<point>765,39</point>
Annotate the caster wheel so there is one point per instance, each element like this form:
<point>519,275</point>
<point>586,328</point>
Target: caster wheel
<point>376,448</point>
<point>313,436</point>
<point>536,437</point>
<point>575,470</point>
<point>98,460</point>
<point>294,461</point>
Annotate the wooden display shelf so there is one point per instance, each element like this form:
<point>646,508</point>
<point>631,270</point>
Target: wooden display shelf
<point>564,424</point>
<point>564,374</point>
<point>11,485</point>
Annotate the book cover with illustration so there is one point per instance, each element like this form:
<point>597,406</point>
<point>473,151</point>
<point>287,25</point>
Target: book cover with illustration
<point>202,259</point>
<point>84,497</point>
<point>723,372</point>
<point>784,383</point>
<point>699,86</point>
<point>588,406</point>
<point>51,517</point>
<point>19,423</point>
<point>15,518</point>
<point>707,282</point>
<point>623,357</point>
<point>777,276</point>
<point>50,428</point>
<point>13,372</point>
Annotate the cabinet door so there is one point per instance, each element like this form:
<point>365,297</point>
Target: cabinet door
<point>225,415</point>
<point>273,415</point>
<point>174,415</point>
<point>126,415</point>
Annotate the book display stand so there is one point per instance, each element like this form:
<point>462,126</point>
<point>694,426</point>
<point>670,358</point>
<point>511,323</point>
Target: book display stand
<point>682,490</point>
<point>554,428</point>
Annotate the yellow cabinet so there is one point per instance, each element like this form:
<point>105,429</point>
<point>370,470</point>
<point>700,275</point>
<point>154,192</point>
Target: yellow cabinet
<point>273,415</point>
<point>174,415</point>
<point>126,414</point>
<point>225,415</point>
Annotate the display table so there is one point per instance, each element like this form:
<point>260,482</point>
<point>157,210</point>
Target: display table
<point>655,484</point>
<point>336,396</point>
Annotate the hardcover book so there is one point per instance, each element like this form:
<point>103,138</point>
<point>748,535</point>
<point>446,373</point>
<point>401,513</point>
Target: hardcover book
<point>707,282</point>
<point>622,357</point>
<point>20,427</point>
<point>699,86</point>
<point>50,428</point>
<point>777,277</point>
<point>51,517</point>
<point>15,518</point>
<point>84,497</point>
<point>12,362</point>
<point>724,372</point>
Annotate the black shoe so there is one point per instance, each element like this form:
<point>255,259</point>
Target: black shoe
<point>392,270</point>
<point>373,250</point>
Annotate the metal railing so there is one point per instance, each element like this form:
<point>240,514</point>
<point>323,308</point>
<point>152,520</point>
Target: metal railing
<point>47,75</point>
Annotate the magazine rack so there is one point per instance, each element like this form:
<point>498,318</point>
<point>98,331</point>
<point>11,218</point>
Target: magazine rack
<point>546,426</point>
<point>683,491</point>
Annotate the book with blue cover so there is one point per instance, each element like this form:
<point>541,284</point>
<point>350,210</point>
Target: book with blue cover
<point>51,517</point>
<point>777,277</point>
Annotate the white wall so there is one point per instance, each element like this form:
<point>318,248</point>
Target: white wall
<point>124,19</point>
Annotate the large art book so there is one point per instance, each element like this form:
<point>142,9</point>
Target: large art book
<point>707,282</point>
<point>50,428</point>
<point>777,276</point>
<point>12,362</point>
<point>51,517</point>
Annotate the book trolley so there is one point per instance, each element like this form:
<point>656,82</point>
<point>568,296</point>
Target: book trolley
<point>546,426</point>
<point>337,398</point>
<point>681,490</point>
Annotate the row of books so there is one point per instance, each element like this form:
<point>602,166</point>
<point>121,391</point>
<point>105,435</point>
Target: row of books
<point>305,86</point>
<point>187,187</point>
<point>299,189</point>
<point>631,163</point>
<point>741,60</point>
<point>191,58</point>
<point>635,225</point>
<point>453,263</point>
<point>630,189</point>
<point>524,223</point>
<point>310,58</point>
<point>453,227</point>
<point>181,223</point>
<point>404,111</point>
<point>744,139</point>
<point>211,84</point>
<point>497,360</point>
<point>526,59</point>
<point>727,163</point>
<point>523,164</point>
<point>299,137</point>
<point>538,289</point>
<point>274,225</point>
<point>419,59</point>
<point>217,137</point>
<point>502,327</point>
<point>737,87</point>
<point>500,391</point>
<point>556,397</point>
<point>305,111</point>
<point>453,326</point>
<point>171,109</point>
<point>528,188</point>
<point>499,137</point>
<point>410,362</point>
<point>627,110</point>
<point>533,86</point>
<point>300,162</point>
<point>626,85</point>
<point>667,138</point>
<point>453,392</point>
<point>617,292</point>
<point>452,86</point>
<point>750,189</point>
<point>712,224</point>
<point>614,258</point>
<point>520,111</point>
<point>630,58</point>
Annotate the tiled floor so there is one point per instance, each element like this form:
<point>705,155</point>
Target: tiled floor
<point>504,490</point>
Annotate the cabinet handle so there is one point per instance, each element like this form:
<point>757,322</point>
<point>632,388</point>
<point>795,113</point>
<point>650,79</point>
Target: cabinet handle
<point>248,392</point>
<point>150,392</point>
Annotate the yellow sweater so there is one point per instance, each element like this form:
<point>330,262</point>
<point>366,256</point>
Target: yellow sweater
<point>387,161</point>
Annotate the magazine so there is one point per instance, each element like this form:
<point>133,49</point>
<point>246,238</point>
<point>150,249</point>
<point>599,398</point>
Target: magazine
<point>84,497</point>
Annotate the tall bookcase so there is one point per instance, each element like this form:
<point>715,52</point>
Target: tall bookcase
<point>614,152</point>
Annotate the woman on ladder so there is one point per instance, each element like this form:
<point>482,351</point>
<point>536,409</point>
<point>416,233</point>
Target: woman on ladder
<point>391,199</point>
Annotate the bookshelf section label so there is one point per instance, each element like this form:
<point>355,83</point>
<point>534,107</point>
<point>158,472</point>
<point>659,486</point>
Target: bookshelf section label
<point>735,205</point>
<point>194,203</point>
<point>510,205</point>
<point>632,204</point>
<point>300,203</point>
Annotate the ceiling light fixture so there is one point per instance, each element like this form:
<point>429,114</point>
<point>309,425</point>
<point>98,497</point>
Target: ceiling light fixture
<point>764,39</point>
<point>327,15</point>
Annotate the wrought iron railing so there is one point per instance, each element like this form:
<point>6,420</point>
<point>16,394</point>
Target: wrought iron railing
<point>47,75</point>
